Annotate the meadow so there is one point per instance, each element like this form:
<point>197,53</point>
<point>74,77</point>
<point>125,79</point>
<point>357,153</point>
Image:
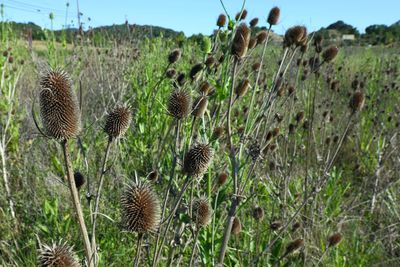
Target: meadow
<point>234,150</point>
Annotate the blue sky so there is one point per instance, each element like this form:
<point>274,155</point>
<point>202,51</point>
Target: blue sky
<point>199,16</point>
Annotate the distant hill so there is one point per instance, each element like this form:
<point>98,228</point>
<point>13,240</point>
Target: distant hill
<point>396,23</point>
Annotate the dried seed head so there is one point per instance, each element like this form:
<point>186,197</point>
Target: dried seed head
<point>79,180</point>
<point>195,71</point>
<point>197,160</point>
<point>210,62</point>
<point>140,209</point>
<point>273,16</point>
<point>330,53</point>
<point>256,66</point>
<point>59,109</point>
<point>57,255</point>
<point>217,133</point>
<point>181,79</point>
<point>204,88</point>
<point>171,73</point>
<point>174,56</point>
<point>241,41</point>
<point>236,226</point>
<point>296,35</point>
<point>117,122</point>
<point>199,107</point>
<point>275,225</point>
<point>300,117</point>
<point>153,176</point>
<point>254,150</point>
<point>221,21</point>
<point>275,132</point>
<point>222,178</point>
<point>334,239</point>
<point>357,101</point>
<point>202,212</point>
<point>242,88</point>
<point>258,213</point>
<point>253,22</point>
<point>241,15</point>
<point>295,226</point>
<point>252,43</point>
<point>294,245</point>
<point>261,37</point>
<point>179,104</point>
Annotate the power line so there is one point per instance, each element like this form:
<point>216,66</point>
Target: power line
<point>37,7</point>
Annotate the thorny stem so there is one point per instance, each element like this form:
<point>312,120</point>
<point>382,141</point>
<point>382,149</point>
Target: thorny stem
<point>76,203</point>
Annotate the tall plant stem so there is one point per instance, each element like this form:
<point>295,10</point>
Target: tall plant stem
<point>170,182</point>
<point>97,201</point>
<point>138,250</point>
<point>196,236</point>
<point>76,202</point>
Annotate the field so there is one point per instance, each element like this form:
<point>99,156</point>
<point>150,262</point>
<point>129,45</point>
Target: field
<point>234,150</point>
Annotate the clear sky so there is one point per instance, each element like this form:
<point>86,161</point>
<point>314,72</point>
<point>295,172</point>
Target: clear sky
<point>199,16</point>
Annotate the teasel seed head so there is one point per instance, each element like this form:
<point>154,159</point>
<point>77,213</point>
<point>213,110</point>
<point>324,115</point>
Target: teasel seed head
<point>153,176</point>
<point>258,213</point>
<point>241,41</point>
<point>117,122</point>
<point>296,35</point>
<point>330,53</point>
<point>171,73</point>
<point>79,180</point>
<point>236,226</point>
<point>57,255</point>
<point>174,56</point>
<point>273,16</point>
<point>202,212</point>
<point>195,71</point>
<point>217,133</point>
<point>357,101</point>
<point>200,107</point>
<point>179,104</point>
<point>275,225</point>
<point>254,150</point>
<point>210,62</point>
<point>241,15</point>
<point>221,21</point>
<point>256,66</point>
<point>204,88</point>
<point>222,178</point>
<point>295,226</point>
<point>59,108</point>
<point>261,37</point>
<point>253,22</point>
<point>275,132</point>
<point>181,79</point>
<point>197,160</point>
<point>334,239</point>
<point>294,245</point>
<point>242,88</point>
<point>140,208</point>
<point>252,43</point>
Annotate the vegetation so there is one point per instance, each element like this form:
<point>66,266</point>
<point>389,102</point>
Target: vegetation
<point>226,150</point>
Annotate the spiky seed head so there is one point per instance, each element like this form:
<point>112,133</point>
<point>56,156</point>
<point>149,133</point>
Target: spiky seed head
<point>171,73</point>
<point>300,117</point>
<point>294,245</point>
<point>140,209</point>
<point>202,212</point>
<point>258,213</point>
<point>57,255</point>
<point>253,22</point>
<point>295,226</point>
<point>236,226</point>
<point>357,101</point>
<point>275,132</point>
<point>179,104</point>
<point>222,178</point>
<point>199,107</point>
<point>334,239</point>
<point>210,62</point>
<point>241,41</point>
<point>256,66</point>
<point>261,37</point>
<point>318,40</point>
<point>242,88</point>
<point>153,176</point>
<point>79,180</point>
<point>330,53</point>
<point>197,160</point>
<point>174,56</point>
<point>273,16</point>
<point>296,35</point>
<point>275,225</point>
<point>241,15</point>
<point>195,71</point>
<point>59,109</point>
<point>221,21</point>
<point>217,133</point>
<point>118,121</point>
<point>181,79</point>
<point>252,43</point>
<point>204,88</point>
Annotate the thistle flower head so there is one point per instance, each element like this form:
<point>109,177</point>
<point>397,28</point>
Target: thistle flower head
<point>59,109</point>
<point>57,255</point>
<point>140,208</point>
